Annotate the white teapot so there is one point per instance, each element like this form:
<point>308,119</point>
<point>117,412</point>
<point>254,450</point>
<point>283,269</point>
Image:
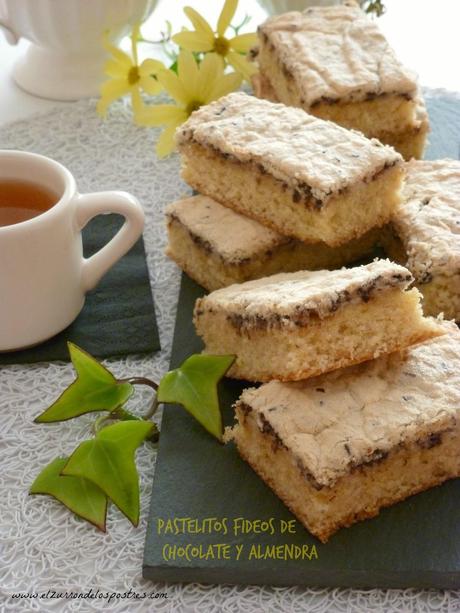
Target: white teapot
<point>65,58</point>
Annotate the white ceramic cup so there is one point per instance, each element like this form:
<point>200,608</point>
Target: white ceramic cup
<point>65,59</point>
<point>43,274</point>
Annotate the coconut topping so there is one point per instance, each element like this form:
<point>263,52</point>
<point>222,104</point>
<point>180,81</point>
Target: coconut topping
<point>312,155</point>
<point>335,53</point>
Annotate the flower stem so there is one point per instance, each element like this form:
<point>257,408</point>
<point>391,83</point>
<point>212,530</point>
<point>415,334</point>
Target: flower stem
<point>160,41</point>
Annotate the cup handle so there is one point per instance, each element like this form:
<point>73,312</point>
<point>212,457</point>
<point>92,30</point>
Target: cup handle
<point>90,205</point>
<point>10,34</point>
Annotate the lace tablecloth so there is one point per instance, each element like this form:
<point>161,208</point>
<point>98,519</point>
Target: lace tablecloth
<point>43,547</point>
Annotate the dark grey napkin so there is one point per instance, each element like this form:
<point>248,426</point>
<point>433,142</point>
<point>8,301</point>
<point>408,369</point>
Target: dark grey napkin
<point>118,316</point>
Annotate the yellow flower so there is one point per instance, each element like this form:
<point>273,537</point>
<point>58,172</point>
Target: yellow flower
<point>193,86</point>
<point>126,76</point>
<point>204,39</point>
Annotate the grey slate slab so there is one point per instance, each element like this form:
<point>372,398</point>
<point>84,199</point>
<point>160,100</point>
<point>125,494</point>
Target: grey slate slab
<point>415,543</point>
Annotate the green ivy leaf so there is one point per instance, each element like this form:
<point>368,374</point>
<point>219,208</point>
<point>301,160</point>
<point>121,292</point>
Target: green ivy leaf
<point>194,386</point>
<point>94,389</point>
<point>79,495</point>
<point>108,461</point>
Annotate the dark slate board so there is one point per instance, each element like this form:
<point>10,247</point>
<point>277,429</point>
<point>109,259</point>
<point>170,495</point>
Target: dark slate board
<point>415,543</point>
<point>119,315</point>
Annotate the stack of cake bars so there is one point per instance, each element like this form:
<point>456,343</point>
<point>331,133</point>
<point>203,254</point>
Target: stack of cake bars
<point>360,406</point>
<point>334,63</point>
<point>360,402</point>
<point>282,191</point>
<point>339,447</point>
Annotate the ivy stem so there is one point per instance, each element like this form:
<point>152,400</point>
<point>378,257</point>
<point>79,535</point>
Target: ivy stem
<point>99,421</point>
<point>140,381</point>
<point>144,381</point>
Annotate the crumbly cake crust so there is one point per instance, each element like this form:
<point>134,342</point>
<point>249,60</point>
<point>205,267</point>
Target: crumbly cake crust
<point>318,158</point>
<point>232,237</point>
<point>337,422</point>
<point>442,295</point>
<point>428,221</point>
<point>421,121</point>
<point>335,53</point>
<point>287,300</point>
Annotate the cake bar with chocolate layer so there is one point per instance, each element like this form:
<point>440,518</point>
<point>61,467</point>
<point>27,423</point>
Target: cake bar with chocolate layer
<point>426,235</point>
<point>409,142</point>
<point>304,177</point>
<point>291,326</point>
<point>338,448</point>
<point>217,247</point>
<point>335,63</point>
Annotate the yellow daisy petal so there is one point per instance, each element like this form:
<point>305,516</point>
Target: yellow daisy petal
<point>134,38</point>
<point>150,67</point>
<point>199,23</point>
<point>119,55</point>
<point>150,85</point>
<point>110,91</point>
<point>226,15</point>
<point>114,69</point>
<point>137,104</point>
<point>187,69</point>
<point>166,144</point>
<point>211,68</point>
<point>243,42</point>
<point>173,86</point>
<point>226,84</point>
<point>241,64</point>
<point>194,41</point>
<point>162,113</point>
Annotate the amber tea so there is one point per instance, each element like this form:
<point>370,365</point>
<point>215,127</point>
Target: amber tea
<point>22,200</point>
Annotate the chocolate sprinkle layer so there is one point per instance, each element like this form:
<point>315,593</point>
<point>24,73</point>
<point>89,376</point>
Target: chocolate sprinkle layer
<point>294,299</point>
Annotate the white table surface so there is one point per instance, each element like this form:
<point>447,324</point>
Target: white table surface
<point>423,32</point>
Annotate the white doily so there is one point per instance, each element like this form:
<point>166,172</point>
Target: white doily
<point>42,545</point>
